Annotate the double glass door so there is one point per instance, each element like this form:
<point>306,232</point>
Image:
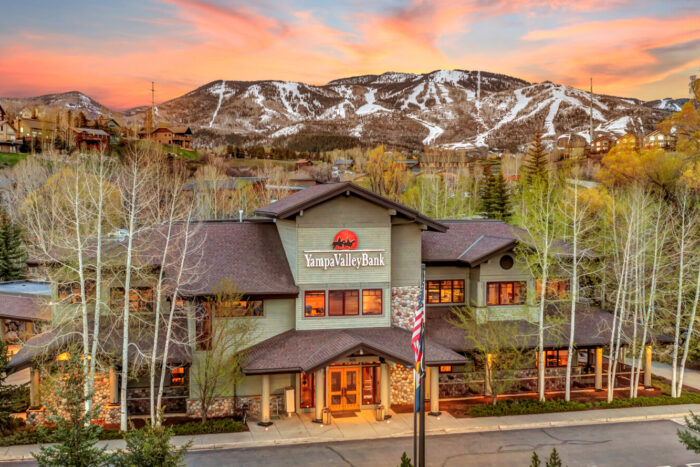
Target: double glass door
<point>344,388</point>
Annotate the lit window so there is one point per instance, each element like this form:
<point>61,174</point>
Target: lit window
<point>557,289</point>
<point>506,293</point>
<point>177,376</point>
<point>445,368</point>
<point>343,302</point>
<point>314,303</point>
<point>203,326</point>
<point>445,291</point>
<point>372,302</point>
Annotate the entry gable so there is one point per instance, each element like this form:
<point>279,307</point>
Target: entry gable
<point>296,203</point>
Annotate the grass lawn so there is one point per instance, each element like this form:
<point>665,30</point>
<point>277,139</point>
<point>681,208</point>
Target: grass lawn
<point>190,155</point>
<point>10,158</point>
<point>259,162</point>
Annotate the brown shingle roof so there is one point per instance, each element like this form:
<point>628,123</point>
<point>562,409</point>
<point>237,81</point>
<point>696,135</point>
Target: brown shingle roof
<point>314,195</point>
<point>307,351</point>
<point>249,254</point>
<point>24,308</point>
<point>51,343</point>
<point>593,327</point>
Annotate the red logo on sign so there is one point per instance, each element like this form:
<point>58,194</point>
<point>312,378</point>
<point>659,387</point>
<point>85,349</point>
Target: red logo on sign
<point>345,240</point>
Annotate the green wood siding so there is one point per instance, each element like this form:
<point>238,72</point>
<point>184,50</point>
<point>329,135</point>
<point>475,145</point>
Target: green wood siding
<point>405,255</point>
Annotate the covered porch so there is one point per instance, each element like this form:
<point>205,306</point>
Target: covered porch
<point>344,373</point>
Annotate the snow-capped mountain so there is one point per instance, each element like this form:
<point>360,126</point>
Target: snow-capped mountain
<point>450,108</point>
<point>670,104</point>
<point>74,101</point>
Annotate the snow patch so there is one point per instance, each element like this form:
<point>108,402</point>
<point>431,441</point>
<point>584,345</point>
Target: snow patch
<point>434,131</point>
<point>370,107</point>
<point>290,130</point>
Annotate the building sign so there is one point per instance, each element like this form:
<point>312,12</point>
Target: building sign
<point>354,258</point>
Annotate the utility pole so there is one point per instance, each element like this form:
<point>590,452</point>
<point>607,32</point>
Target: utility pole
<point>590,141</point>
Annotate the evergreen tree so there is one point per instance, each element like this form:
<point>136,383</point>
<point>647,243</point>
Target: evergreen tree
<point>495,200</point>
<point>537,162</point>
<point>75,436</point>
<point>405,460</point>
<point>554,459</point>
<point>150,446</point>
<point>6,391</point>
<point>13,258</point>
<point>688,439</point>
<point>535,460</point>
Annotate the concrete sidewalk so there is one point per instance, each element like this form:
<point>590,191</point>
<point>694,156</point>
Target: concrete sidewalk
<point>299,429</point>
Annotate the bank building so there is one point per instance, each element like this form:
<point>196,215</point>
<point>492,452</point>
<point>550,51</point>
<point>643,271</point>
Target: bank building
<point>332,275</point>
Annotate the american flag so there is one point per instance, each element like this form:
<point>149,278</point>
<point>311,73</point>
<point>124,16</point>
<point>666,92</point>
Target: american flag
<point>418,342</point>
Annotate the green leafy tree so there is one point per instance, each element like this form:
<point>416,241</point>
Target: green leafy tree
<point>76,436</point>
<point>688,439</point>
<point>536,165</point>
<point>13,257</point>
<point>150,446</point>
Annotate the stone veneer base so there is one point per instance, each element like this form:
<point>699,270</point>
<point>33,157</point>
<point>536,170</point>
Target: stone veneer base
<point>404,301</point>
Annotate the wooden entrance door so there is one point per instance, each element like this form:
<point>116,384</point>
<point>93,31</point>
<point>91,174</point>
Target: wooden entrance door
<point>344,388</point>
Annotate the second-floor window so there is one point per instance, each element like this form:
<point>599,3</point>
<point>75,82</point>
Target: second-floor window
<point>557,289</point>
<point>140,299</point>
<point>314,303</point>
<point>343,302</point>
<point>203,330</point>
<point>506,293</point>
<point>445,291</point>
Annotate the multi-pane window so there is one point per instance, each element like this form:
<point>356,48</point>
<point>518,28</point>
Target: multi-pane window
<point>69,292</point>
<point>203,326</point>
<point>506,293</point>
<point>140,299</point>
<point>238,308</point>
<point>343,302</point>
<point>314,303</point>
<point>177,376</point>
<point>372,302</point>
<point>556,358</point>
<point>307,391</point>
<point>556,289</point>
<point>445,291</point>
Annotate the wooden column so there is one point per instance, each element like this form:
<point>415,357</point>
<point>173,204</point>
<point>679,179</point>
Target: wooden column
<point>34,396</point>
<point>113,386</point>
<point>265,400</point>
<point>384,393</point>
<point>319,404</point>
<point>297,392</point>
<point>599,369</point>
<point>488,391</point>
<point>30,329</point>
<point>434,390</point>
<point>647,367</point>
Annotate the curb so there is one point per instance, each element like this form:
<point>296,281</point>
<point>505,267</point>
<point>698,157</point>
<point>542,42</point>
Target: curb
<point>433,432</point>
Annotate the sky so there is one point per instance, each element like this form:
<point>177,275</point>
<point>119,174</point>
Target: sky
<point>113,50</point>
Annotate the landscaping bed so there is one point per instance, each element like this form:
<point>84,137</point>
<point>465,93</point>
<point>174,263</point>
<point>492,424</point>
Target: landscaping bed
<point>25,434</point>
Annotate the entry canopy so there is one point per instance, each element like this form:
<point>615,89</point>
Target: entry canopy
<point>308,351</point>
<point>293,204</point>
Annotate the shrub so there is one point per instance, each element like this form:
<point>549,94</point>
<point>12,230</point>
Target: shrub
<point>405,460</point>
<point>221,425</point>
<point>150,446</point>
<point>526,406</point>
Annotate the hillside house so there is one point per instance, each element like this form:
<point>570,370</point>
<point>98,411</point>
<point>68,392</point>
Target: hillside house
<point>602,144</point>
<point>90,139</point>
<point>628,142</point>
<point>659,140</point>
<point>109,125</point>
<point>301,163</point>
<point>3,114</point>
<point>35,129</point>
<point>171,136</point>
<point>8,137</point>
<point>332,277</point>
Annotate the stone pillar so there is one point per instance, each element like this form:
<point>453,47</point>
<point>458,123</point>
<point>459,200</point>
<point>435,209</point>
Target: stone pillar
<point>113,386</point>
<point>488,391</point>
<point>265,401</point>
<point>34,396</point>
<point>434,390</point>
<point>647,367</point>
<point>384,383</point>
<point>599,369</point>
<point>319,403</point>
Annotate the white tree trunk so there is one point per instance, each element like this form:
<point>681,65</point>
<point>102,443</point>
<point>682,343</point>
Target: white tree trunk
<point>689,334</point>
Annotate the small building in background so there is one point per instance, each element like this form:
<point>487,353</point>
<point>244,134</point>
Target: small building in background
<point>602,144</point>
<point>170,136</point>
<point>303,163</point>
<point>8,137</point>
<point>659,140</point>
<point>343,164</point>
<point>24,310</point>
<point>628,142</point>
<point>89,139</point>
